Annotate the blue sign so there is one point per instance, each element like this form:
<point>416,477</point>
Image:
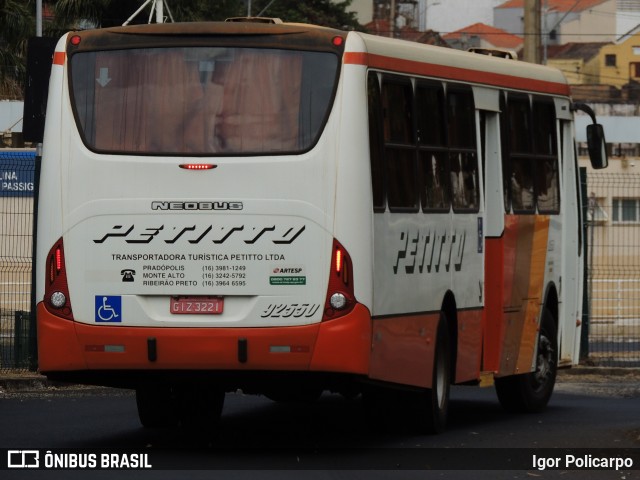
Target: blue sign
<point>108,309</point>
<point>16,173</point>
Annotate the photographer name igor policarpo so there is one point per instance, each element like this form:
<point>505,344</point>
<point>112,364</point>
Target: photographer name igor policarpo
<point>586,462</point>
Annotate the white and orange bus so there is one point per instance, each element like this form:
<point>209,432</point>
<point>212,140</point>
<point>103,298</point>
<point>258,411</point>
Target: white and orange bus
<point>287,209</point>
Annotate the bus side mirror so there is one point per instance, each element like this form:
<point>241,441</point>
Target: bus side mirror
<point>595,138</point>
<point>597,146</point>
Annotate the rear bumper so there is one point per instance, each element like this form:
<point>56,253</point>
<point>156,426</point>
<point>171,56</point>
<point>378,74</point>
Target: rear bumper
<point>338,346</point>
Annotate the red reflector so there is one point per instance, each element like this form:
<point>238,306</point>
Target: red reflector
<point>300,349</point>
<point>337,41</point>
<point>94,348</point>
<point>75,40</point>
<point>197,166</point>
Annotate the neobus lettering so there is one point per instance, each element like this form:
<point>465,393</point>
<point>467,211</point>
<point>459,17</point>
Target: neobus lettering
<point>162,205</point>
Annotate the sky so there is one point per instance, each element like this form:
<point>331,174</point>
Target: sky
<point>447,16</point>
<point>440,15</point>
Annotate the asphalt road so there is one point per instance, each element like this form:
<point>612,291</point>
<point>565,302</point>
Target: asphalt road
<point>332,438</point>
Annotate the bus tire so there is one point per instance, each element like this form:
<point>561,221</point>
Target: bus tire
<point>530,392</point>
<point>157,406</point>
<point>432,417</point>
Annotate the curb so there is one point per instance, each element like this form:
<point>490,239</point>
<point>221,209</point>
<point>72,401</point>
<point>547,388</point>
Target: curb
<point>603,371</point>
<point>34,381</point>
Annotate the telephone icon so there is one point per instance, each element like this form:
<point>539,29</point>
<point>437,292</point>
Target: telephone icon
<point>127,275</point>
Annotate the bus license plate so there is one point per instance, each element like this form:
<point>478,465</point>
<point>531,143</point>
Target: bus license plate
<point>197,305</point>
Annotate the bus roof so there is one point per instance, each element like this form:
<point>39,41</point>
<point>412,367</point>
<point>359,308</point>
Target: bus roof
<point>447,63</point>
<point>193,32</point>
<point>373,51</point>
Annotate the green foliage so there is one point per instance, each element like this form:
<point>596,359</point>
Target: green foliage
<point>318,12</point>
<point>106,13</point>
<point>109,13</point>
<point>17,22</point>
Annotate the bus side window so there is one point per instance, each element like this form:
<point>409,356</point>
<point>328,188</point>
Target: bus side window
<point>518,162</point>
<point>546,148</point>
<point>399,144</point>
<point>530,163</point>
<point>432,147</point>
<point>463,158</point>
<point>375,142</point>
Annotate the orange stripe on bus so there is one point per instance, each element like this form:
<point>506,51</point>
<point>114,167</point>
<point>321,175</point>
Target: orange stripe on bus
<point>355,58</point>
<point>341,345</point>
<point>59,58</point>
<point>535,294</point>
<point>454,73</point>
<point>514,293</point>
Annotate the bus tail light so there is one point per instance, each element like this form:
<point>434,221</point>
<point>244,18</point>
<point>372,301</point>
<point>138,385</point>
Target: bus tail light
<point>56,292</point>
<point>340,293</point>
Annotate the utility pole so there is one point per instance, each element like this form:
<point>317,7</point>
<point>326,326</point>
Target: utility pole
<point>532,34</point>
<point>392,19</point>
<point>38,18</point>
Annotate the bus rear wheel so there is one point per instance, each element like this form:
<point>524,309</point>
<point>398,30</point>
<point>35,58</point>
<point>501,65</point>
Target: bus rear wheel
<point>417,410</point>
<point>530,392</point>
<point>433,412</point>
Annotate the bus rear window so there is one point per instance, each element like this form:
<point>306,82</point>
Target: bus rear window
<point>202,100</point>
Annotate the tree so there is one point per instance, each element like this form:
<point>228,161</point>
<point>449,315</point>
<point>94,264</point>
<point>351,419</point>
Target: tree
<point>17,22</point>
<point>107,13</point>
<point>16,26</point>
<point>327,13</point>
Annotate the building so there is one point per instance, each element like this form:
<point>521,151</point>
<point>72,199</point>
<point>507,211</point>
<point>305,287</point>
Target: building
<point>565,21</point>
<point>444,16</point>
<point>382,27</point>
<point>620,62</point>
<point>480,35</point>
<point>447,16</point>
<point>580,62</point>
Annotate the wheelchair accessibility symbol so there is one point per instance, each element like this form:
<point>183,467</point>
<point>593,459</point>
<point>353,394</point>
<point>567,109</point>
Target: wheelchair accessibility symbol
<point>108,309</point>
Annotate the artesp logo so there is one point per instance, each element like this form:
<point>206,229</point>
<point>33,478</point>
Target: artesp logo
<point>23,459</point>
<point>287,270</point>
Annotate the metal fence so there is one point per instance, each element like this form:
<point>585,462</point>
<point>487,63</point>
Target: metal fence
<point>17,342</point>
<point>612,287</point>
<point>613,273</point>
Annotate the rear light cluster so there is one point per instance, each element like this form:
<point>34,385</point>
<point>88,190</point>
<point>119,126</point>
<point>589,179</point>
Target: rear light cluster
<point>340,294</point>
<point>197,166</point>
<point>56,292</point>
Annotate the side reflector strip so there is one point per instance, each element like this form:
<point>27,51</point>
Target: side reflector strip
<point>289,349</point>
<point>105,348</point>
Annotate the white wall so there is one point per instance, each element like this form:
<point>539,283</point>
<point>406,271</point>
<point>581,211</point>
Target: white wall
<point>10,113</point>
